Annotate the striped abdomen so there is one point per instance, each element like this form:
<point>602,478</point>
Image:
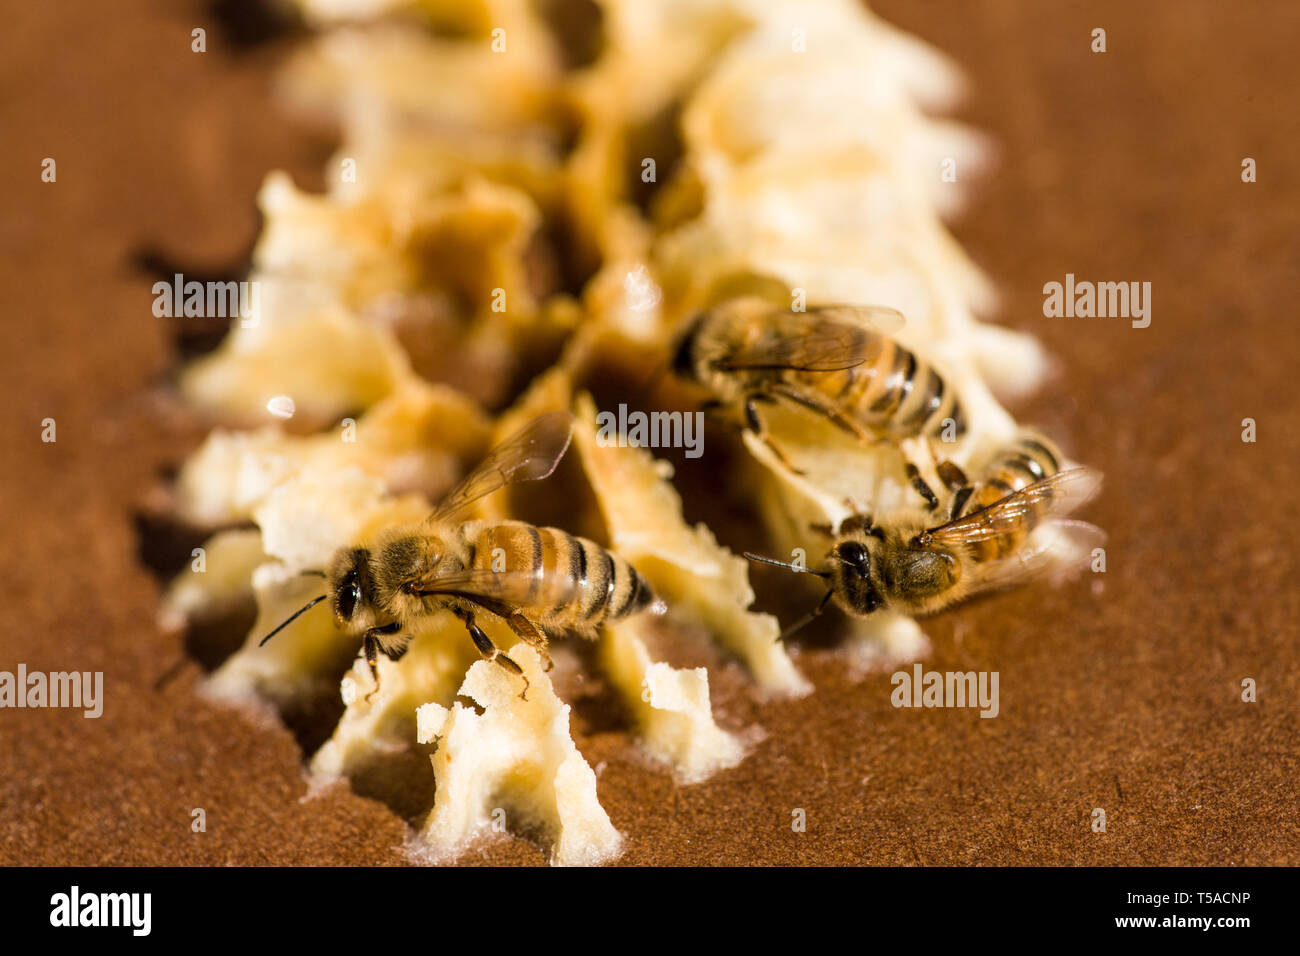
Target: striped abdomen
<point>575,584</point>
<point>897,395</point>
<point>1029,459</point>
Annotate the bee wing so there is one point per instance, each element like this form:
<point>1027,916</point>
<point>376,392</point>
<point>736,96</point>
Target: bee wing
<point>511,588</point>
<point>1055,549</point>
<point>530,454</point>
<point>878,318</point>
<point>1052,497</point>
<point>825,339</point>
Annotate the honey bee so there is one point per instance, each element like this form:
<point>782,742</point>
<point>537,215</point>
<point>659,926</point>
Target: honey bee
<point>909,565</point>
<point>838,361</point>
<point>536,579</point>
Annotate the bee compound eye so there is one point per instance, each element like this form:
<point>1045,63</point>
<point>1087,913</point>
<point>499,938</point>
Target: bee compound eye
<point>855,555</point>
<point>349,597</point>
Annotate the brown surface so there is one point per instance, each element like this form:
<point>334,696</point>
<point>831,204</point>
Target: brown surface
<point>1117,166</point>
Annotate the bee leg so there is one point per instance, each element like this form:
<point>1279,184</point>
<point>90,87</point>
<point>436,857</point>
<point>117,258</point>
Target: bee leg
<point>754,422</point>
<point>859,522</point>
<point>533,635</point>
<point>489,650</point>
<point>856,521</point>
<point>371,645</point>
<point>836,417</point>
<point>922,486</point>
<point>959,501</point>
<point>372,658</point>
<point>956,481</point>
<point>951,475</point>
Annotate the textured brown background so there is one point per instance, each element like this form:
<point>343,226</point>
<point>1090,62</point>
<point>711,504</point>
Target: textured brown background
<point>1122,166</point>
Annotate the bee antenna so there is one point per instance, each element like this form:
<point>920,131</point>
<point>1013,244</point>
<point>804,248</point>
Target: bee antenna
<point>293,617</point>
<point>786,564</point>
<point>314,572</point>
<point>807,618</point>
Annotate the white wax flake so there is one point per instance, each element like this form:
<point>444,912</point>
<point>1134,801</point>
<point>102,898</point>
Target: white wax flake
<point>513,767</point>
<point>281,406</point>
<point>671,707</point>
<point>642,292</point>
<point>348,691</point>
